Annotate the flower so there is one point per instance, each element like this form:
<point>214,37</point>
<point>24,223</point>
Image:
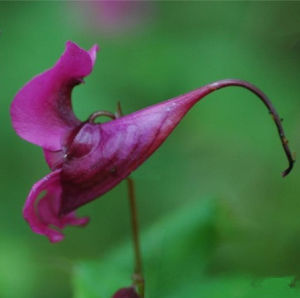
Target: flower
<point>88,159</point>
<point>113,17</point>
<point>126,293</point>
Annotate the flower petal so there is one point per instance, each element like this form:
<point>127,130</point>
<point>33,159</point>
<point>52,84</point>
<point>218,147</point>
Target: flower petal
<point>102,155</point>
<point>42,110</point>
<point>43,214</point>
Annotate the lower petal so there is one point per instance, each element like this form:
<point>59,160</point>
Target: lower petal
<point>43,214</point>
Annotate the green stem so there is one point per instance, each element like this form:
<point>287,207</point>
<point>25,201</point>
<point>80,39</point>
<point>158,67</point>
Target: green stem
<point>138,278</point>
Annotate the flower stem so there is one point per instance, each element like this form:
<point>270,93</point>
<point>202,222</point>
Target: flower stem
<point>138,278</point>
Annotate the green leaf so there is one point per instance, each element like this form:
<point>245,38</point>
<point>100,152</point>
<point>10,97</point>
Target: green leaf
<point>176,253</point>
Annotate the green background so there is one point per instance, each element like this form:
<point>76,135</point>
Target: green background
<point>226,148</point>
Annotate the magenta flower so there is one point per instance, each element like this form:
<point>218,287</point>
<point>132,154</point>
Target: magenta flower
<point>126,293</point>
<point>88,159</point>
<point>114,17</point>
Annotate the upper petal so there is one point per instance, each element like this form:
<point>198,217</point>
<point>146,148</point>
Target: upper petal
<point>41,111</point>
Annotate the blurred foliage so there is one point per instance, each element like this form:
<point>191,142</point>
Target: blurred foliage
<point>177,252</point>
<point>227,146</point>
